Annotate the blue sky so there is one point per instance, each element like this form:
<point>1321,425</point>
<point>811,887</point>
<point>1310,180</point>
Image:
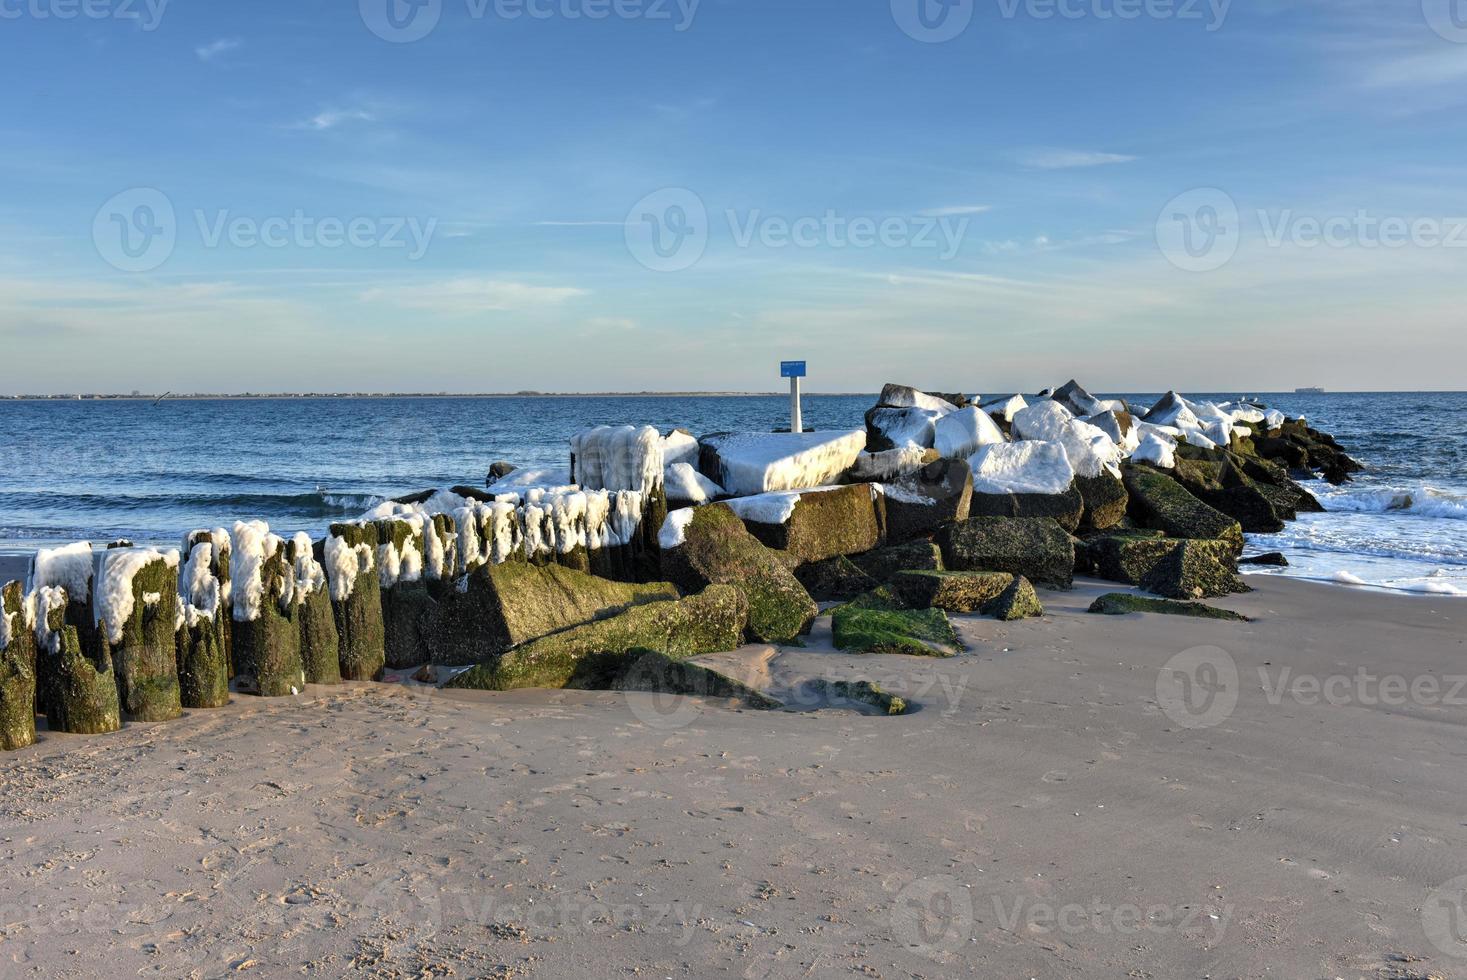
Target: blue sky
<point>1027,171</point>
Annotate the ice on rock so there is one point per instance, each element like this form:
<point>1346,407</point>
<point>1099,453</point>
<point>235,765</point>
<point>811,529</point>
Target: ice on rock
<point>40,604</point>
<point>1173,410</point>
<point>962,433</point>
<point>1090,451</point>
<point>902,396</point>
<point>1075,398</point>
<point>1156,450</point>
<point>1110,424</point>
<point>1007,406</point>
<point>114,600</point>
<point>343,564</point>
<point>679,447</point>
<point>68,567</point>
<point>684,484</point>
<point>199,592</point>
<point>620,457</point>
<point>1273,418</point>
<point>675,528</point>
<point>1022,467</point>
<point>251,546</point>
<point>757,462</point>
<point>905,427</point>
<point>542,477</point>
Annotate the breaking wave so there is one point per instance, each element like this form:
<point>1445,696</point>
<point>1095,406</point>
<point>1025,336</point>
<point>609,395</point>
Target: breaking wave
<point>1421,502</point>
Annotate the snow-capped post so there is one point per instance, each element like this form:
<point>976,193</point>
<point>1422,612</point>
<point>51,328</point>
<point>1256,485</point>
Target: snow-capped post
<point>203,635</point>
<point>403,543</point>
<point>80,685</point>
<point>627,462</point>
<point>349,556</point>
<point>320,646</point>
<point>267,637</point>
<point>17,671</point>
<point>68,568</point>
<point>794,370</point>
<point>137,614</point>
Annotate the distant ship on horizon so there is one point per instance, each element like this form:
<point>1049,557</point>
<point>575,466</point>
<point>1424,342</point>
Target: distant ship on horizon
<point>1308,391</point>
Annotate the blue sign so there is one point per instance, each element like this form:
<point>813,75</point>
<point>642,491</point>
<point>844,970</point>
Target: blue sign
<point>791,369</point>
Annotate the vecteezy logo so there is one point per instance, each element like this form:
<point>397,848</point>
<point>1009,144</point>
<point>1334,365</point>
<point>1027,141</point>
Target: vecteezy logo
<point>932,21</point>
<point>667,231</point>
<point>1199,231</point>
<point>1444,917</point>
<point>1448,18</point>
<point>136,230</point>
<point>933,916</point>
<point>401,21</point>
<point>1198,688</point>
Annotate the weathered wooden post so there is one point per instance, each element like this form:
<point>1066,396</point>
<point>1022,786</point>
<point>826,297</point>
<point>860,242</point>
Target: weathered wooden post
<point>137,613</point>
<point>69,568</point>
<point>81,688</point>
<point>267,636</point>
<point>320,646</point>
<point>402,544</point>
<point>203,635</point>
<point>17,671</point>
<point>349,555</point>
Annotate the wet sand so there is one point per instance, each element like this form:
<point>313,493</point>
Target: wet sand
<point>1067,800</point>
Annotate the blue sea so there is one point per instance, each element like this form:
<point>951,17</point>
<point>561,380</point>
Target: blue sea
<point>103,470</point>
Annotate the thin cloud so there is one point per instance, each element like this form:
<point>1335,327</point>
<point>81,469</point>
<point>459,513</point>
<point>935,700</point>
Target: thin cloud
<point>461,297</point>
<point>578,224</point>
<point>331,118</point>
<point>212,50</point>
<point>1075,159</point>
<point>955,211</point>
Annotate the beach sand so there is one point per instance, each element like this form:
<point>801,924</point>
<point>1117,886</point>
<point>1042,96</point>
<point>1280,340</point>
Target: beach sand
<point>1044,812</point>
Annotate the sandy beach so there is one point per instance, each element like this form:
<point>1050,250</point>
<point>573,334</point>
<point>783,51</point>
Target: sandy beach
<point>1043,813</point>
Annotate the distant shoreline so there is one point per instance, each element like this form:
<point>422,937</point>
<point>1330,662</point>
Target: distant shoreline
<point>300,396</point>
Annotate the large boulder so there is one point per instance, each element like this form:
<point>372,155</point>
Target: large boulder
<point>1121,604</point>
<point>835,579</point>
<point>1026,479</point>
<point>1178,568</point>
<point>497,607</point>
<point>685,485</point>
<point>901,428</point>
<point>812,525</point>
<point>960,434</point>
<point>1157,501</point>
<point>1090,451</point>
<point>650,671</point>
<point>904,396</point>
<point>745,463</point>
<point>961,592</point>
<point>710,622</point>
<point>705,546</point>
<point>879,623</point>
<point>1105,501</point>
<point>1222,484</point>
<point>938,494</point>
<point>884,564</point>
<point>1004,407</point>
<point>1037,548</point>
<point>1018,601</point>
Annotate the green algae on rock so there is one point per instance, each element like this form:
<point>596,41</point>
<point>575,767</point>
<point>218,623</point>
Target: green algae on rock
<point>711,622</point>
<point>1158,501</point>
<point>1035,547</point>
<point>80,685</point>
<point>884,564</point>
<point>349,556</point>
<point>1121,603</point>
<point>650,671</point>
<point>863,692</point>
<point>961,592</point>
<point>1018,601</point>
<point>835,579</point>
<point>17,672</point>
<point>878,622</point>
<point>140,590</point>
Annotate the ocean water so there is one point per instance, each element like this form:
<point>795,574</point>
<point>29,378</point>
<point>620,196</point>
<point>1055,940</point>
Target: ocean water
<point>102,470</point>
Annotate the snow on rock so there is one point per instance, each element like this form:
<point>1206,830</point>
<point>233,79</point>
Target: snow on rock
<point>68,567</point>
<point>543,477</point>
<point>891,464</point>
<point>960,434</point>
<point>114,599</point>
<point>199,593</point>
<point>758,462</point>
<point>902,396</point>
<point>7,621</point>
<point>617,457</point>
<point>1109,423</point>
<point>675,528</point>
<point>1022,467</point>
<point>1156,450</point>
<point>903,427</point>
<point>310,576</point>
<point>1075,398</point>
<point>1173,410</point>
<point>1273,418</point>
<point>40,604</point>
<point>684,484</point>
<point>1008,406</point>
<point>251,546</point>
<point>679,447</point>
<point>1090,451</point>
<point>343,564</point>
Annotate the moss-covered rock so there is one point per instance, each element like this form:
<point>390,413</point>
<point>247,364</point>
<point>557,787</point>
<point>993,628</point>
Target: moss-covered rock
<point>961,592</point>
<point>145,656</point>
<point>1037,548</point>
<point>842,521</point>
<point>1157,501</point>
<point>884,564</point>
<point>879,622</point>
<point>1105,500</point>
<point>1065,509</point>
<point>836,579</point>
<point>81,686</point>
<point>651,671</point>
<point>1273,559</point>
<point>203,664</point>
<point>1121,604</point>
<point>717,549</point>
<point>711,622</point>
<point>1018,601</point>
<point>1196,570</point>
<point>863,692</point>
<point>1222,484</point>
<point>357,606</point>
<point>1123,556</point>
<point>502,606</point>
<point>17,672</point>
<point>320,646</point>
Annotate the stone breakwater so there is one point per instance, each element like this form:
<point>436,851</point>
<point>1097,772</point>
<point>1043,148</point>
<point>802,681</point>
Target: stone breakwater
<point>648,549</point>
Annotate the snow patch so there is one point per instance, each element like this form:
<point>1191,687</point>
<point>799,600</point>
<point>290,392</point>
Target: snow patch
<point>675,528</point>
<point>114,601</point>
<point>1090,451</point>
<point>619,457</point>
<point>679,447</point>
<point>686,485</point>
<point>1156,450</point>
<point>1022,467</point>
<point>757,462</point>
<point>960,434</point>
<point>68,567</point>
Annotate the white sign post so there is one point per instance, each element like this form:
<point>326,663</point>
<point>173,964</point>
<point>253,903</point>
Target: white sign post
<point>794,370</point>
